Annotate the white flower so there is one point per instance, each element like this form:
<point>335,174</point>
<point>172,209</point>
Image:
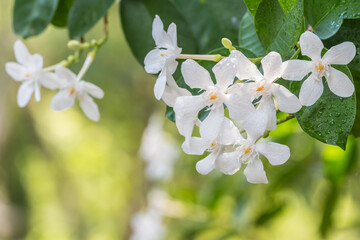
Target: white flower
<point>228,135</point>
<point>147,225</point>
<point>248,151</point>
<point>312,88</point>
<point>264,86</point>
<point>73,89</point>
<point>158,150</point>
<point>163,57</point>
<point>214,97</point>
<point>29,71</point>
<point>173,91</point>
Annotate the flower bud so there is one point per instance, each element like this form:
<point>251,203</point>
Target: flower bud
<point>74,44</point>
<point>227,44</point>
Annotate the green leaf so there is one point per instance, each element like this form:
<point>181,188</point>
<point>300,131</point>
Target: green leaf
<point>326,17</point>
<point>32,16</point>
<point>84,14</point>
<point>276,29</point>
<point>200,24</point>
<point>331,118</point>
<point>228,14</point>
<point>252,5</point>
<point>248,37</point>
<point>61,15</point>
<point>208,65</point>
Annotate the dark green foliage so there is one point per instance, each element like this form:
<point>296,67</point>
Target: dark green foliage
<point>32,16</point>
<point>61,15</point>
<point>326,17</point>
<point>84,14</point>
<point>279,30</point>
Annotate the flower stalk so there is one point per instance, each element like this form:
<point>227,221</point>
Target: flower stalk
<point>214,58</point>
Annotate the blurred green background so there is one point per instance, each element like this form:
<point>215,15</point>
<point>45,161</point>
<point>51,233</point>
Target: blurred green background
<point>63,176</point>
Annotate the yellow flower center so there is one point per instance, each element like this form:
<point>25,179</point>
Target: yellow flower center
<point>247,150</point>
<point>213,144</point>
<point>261,87</point>
<point>213,97</point>
<point>72,91</point>
<point>319,67</point>
<point>28,75</point>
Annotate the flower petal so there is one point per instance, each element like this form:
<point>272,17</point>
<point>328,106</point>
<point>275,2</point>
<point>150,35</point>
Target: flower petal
<point>89,107</point>
<point>172,34</point>
<point>207,164</point>
<point>62,100</point>
<point>339,83</point>
<point>341,54</point>
<point>228,163</point>
<point>239,106</point>
<point>255,172</point>
<point>239,89</point>
<point>296,70</point>
<point>22,54</point>
<point>210,127</point>
<point>246,69</point>
<point>153,61</point>
<point>186,110</point>
<point>310,91</point>
<point>37,91</point>
<point>171,64</point>
<point>172,92</point>
<point>229,133</point>
<point>162,39</point>
<point>16,71</point>
<point>93,90</point>
<point>225,72</point>
<point>51,80</point>
<point>195,146</point>
<point>159,86</point>
<point>255,125</point>
<point>157,30</point>
<point>276,153</point>
<point>311,45</point>
<point>65,74</point>
<point>195,75</point>
<point>24,93</point>
<point>37,62</point>
<point>268,107</point>
<point>272,66</point>
<point>189,105</point>
<point>286,100</point>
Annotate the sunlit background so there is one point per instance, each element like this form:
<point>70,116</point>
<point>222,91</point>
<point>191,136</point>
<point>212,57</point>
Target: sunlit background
<point>63,176</point>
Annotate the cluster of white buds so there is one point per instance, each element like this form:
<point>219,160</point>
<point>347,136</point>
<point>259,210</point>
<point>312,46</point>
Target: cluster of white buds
<point>29,70</point>
<point>251,97</point>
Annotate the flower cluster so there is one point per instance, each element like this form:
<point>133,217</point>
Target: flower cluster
<point>251,97</point>
<point>29,70</point>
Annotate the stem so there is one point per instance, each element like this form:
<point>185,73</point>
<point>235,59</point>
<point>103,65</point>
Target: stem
<point>296,53</point>
<point>81,46</point>
<point>214,58</point>
<point>280,121</point>
<point>106,21</point>
<point>256,60</point>
<point>89,59</point>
